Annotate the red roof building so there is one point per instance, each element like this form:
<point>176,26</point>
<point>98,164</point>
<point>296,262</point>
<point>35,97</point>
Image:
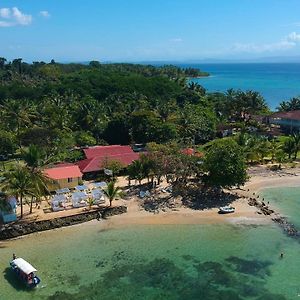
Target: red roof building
<point>191,152</point>
<point>63,171</point>
<point>98,155</point>
<point>63,176</point>
<point>289,115</point>
<point>107,151</point>
<point>188,151</point>
<point>288,121</point>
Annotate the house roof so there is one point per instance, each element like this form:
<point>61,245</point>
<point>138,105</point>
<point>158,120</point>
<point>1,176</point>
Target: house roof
<point>192,152</point>
<point>63,171</point>
<point>292,115</point>
<point>107,151</point>
<point>96,163</point>
<point>188,151</point>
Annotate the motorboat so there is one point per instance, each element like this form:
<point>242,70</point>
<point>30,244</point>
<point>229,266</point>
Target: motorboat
<point>226,210</point>
<point>25,272</point>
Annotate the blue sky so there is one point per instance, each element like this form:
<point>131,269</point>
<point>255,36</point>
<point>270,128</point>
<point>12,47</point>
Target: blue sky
<point>137,30</point>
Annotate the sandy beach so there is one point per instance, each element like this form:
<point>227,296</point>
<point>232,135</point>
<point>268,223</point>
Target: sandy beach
<point>244,213</point>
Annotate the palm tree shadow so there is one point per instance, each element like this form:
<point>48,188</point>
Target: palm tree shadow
<point>13,280</point>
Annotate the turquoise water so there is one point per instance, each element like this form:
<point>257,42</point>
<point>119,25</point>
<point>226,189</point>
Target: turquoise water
<point>276,82</point>
<point>157,262</point>
<point>287,200</point>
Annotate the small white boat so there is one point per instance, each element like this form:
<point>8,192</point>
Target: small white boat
<point>226,210</point>
<point>25,271</point>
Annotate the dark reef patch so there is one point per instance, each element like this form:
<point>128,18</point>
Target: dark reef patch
<point>236,279</point>
<point>253,267</point>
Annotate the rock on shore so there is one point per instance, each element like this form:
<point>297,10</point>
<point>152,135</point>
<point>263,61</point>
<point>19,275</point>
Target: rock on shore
<point>9,231</point>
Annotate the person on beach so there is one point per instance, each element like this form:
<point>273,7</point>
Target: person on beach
<point>14,256</point>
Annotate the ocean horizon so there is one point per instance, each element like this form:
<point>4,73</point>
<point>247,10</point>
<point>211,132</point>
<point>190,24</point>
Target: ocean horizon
<point>276,82</point>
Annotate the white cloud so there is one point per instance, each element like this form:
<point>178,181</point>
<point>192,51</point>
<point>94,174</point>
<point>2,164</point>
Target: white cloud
<point>289,42</point>
<point>283,45</point>
<point>44,13</point>
<point>176,40</point>
<point>293,37</point>
<point>5,13</point>
<point>13,16</point>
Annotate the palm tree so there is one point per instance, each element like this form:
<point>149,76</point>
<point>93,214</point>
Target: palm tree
<point>280,157</point>
<point>112,192</point>
<point>262,149</point>
<point>18,114</point>
<point>136,171</point>
<point>296,139</point>
<point>34,159</point>
<point>273,148</point>
<point>39,186</point>
<point>18,183</point>
<point>90,202</point>
<point>289,147</point>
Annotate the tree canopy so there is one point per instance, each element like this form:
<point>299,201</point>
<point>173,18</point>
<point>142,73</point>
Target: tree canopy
<point>225,164</point>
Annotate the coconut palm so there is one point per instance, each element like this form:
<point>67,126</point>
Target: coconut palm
<point>296,139</point>
<point>18,114</point>
<point>112,192</point>
<point>289,147</point>
<point>273,149</point>
<point>263,149</point>
<point>280,157</point>
<point>136,171</point>
<point>90,202</point>
<point>18,182</point>
<point>34,159</point>
<point>39,186</point>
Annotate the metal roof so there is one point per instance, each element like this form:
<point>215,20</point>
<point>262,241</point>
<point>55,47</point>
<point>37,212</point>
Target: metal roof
<point>101,184</point>
<point>290,115</point>
<point>81,187</point>
<point>108,151</point>
<point>97,163</point>
<point>63,191</point>
<point>63,172</point>
<point>24,266</point>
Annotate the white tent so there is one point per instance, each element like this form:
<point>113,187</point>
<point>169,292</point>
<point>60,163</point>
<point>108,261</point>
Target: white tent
<point>78,199</point>
<point>62,191</point>
<point>97,185</point>
<point>81,187</point>
<point>58,202</point>
<point>98,196</point>
<point>60,198</point>
<point>97,193</point>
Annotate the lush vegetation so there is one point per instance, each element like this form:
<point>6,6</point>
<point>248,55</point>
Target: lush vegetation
<point>47,109</point>
<point>290,105</point>
<point>58,106</point>
<point>27,181</point>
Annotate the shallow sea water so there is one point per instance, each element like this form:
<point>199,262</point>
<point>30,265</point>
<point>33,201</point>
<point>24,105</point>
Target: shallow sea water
<point>287,200</point>
<point>157,262</point>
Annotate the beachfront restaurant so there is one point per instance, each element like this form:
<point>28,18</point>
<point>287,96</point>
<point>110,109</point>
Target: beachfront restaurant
<point>289,121</point>
<point>97,156</point>
<point>63,176</point>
